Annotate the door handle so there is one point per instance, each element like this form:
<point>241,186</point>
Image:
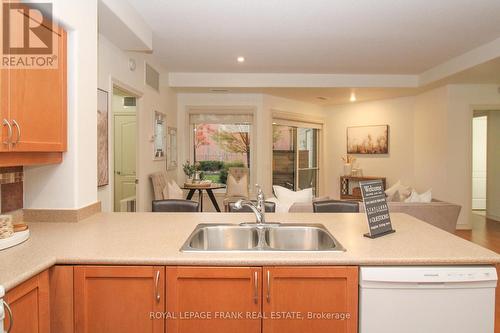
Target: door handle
<point>268,296</point>
<point>18,132</point>
<point>256,288</point>
<point>118,173</point>
<point>11,317</point>
<point>157,292</point>
<point>9,129</point>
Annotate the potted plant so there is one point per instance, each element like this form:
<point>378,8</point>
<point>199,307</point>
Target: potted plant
<point>189,170</point>
<point>348,162</point>
<point>193,172</point>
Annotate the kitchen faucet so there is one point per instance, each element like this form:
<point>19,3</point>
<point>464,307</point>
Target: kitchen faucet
<point>258,209</point>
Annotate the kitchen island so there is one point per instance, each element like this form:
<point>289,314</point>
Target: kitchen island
<point>107,243</point>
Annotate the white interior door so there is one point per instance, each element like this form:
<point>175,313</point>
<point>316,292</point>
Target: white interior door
<point>479,161</point>
<point>125,158</point>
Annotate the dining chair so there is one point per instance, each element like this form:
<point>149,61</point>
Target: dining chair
<point>335,206</point>
<point>269,207</point>
<point>175,206</point>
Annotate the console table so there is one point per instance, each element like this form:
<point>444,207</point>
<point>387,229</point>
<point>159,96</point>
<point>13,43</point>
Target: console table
<point>349,187</point>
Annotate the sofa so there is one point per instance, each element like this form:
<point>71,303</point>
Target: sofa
<point>441,214</point>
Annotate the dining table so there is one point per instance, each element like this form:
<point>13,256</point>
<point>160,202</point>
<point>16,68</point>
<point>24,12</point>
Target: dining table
<point>209,188</point>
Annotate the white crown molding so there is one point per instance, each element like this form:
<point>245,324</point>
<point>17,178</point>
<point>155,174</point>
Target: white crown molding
<point>285,80</point>
<point>462,62</point>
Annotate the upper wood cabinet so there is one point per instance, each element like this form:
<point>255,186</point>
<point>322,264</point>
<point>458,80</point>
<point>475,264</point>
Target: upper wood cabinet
<point>30,305</point>
<point>218,292</point>
<point>315,293</point>
<point>118,299</point>
<point>34,111</point>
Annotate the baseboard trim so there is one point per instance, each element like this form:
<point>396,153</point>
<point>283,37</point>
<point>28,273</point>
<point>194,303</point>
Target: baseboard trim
<point>464,227</point>
<point>61,215</point>
<point>493,217</point>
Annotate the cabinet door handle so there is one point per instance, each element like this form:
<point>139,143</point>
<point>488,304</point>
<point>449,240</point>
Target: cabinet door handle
<point>256,288</point>
<point>268,296</point>
<point>18,131</point>
<point>11,317</point>
<point>9,128</point>
<point>157,292</point>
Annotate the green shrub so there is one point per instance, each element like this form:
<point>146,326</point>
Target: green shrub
<point>211,165</point>
<point>224,170</point>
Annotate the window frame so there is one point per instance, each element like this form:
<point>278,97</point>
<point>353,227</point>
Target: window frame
<point>281,118</point>
<point>226,110</point>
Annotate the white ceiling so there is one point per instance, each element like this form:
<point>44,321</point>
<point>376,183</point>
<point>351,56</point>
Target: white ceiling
<point>317,36</point>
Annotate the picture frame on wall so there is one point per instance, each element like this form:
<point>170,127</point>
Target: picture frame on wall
<point>102,138</point>
<point>172,148</point>
<point>160,136</point>
<point>373,139</point>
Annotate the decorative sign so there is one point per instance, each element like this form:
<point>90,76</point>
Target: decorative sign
<point>377,211</point>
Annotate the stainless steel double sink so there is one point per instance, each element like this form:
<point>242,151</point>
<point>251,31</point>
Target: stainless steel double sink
<point>261,237</point>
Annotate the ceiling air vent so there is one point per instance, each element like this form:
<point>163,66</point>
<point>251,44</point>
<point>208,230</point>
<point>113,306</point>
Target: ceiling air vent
<point>219,90</point>
<point>152,77</point>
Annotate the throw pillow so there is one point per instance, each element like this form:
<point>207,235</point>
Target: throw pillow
<point>391,191</point>
<point>288,197</point>
<point>398,192</point>
<point>279,208</point>
<point>237,188</point>
<point>174,191</point>
<point>422,198</point>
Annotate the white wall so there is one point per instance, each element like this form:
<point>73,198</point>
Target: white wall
<point>397,165</point>
<point>493,179</point>
<point>443,141</point>
<point>430,130</point>
<point>73,183</point>
<point>114,68</point>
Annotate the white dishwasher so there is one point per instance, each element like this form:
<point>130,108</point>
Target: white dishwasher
<point>430,299</point>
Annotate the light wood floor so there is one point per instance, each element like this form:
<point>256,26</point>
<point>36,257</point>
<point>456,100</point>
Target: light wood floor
<point>486,232</point>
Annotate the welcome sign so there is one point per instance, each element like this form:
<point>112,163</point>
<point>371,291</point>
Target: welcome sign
<point>377,211</point>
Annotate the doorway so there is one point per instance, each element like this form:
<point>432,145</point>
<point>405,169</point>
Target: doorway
<point>485,164</point>
<point>124,106</point>
<point>479,162</point>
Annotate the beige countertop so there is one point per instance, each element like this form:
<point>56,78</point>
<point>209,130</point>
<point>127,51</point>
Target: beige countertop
<point>155,239</point>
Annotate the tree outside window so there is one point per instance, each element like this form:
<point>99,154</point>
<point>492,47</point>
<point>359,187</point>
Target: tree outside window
<point>217,147</point>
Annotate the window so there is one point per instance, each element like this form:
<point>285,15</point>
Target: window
<point>221,141</point>
<point>295,156</point>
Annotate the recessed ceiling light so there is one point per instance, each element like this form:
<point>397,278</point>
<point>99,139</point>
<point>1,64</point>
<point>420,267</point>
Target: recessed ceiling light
<point>353,97</point>
<point>241,59</point>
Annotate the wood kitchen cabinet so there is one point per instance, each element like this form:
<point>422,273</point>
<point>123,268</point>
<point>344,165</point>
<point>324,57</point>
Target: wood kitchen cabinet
<point>118,299</point>
<point>30,305</point>
<point>219,292</point>
<point>34,111</point>
<point>322,291</point>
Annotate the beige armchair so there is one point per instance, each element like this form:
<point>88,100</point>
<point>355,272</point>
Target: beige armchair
<point>237,186</point>
<point>159,181</point>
